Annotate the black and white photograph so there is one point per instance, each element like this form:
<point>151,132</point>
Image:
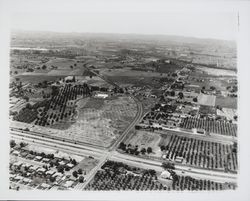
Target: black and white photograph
<point>123,97</point>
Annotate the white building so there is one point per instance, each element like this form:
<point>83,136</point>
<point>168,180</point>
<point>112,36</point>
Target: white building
<point>101,95</point>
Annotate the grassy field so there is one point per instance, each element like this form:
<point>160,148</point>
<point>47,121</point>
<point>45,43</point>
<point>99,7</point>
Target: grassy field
<point>95,103</point>
<point>62,63</point>
<point>167,68</point>
<point>87,164</point>
<point>228,102</point>
<point>144,139</point>
<point>217,72</point>
<point>34,79</point>
<point>139,81</point>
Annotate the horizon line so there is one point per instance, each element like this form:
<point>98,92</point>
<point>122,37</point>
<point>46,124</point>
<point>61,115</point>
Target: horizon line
<point>118,33</point>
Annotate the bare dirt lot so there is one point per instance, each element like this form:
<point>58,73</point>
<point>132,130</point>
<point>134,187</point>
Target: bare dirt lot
<point>98,124</point>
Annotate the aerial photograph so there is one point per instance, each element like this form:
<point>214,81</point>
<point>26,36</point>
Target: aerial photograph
<point>123,102</point>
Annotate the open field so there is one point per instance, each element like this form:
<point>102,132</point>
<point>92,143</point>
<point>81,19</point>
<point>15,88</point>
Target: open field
<point>144,139</point>
<point>167,68</point>
<point>86,165</point>
<point>62,63</point>
<point>206,99</point>
<point>35,79</point>
<point>228,102</point>
<point>138,81</point>
<point>218,72</point>
<point>94,103</point>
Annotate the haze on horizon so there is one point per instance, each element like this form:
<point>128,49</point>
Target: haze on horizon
<point>190,24</point>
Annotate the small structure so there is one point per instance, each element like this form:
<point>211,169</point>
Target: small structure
<point>38,158</point>
<point>18,164</point>
<point>17,178</point>
<point>101,95</point>
<point>200,131</point>
<point>178,159</point>
<point>33,168</point>
<point>166,175</point>
<point>68,183</point>
<point>26,180</point>
<point>50,172</point>
<point>62,162</point>
<point>44,186</point>
<point>45,160</point>
<point>30,157</point>
<point>41,170</point>
<point>70,165</point>
<point>16,153</point>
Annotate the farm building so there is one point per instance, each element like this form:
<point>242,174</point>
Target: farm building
<point>101,95</point>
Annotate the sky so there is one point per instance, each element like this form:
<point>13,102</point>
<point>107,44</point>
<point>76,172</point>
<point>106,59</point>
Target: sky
<point>68,18</point>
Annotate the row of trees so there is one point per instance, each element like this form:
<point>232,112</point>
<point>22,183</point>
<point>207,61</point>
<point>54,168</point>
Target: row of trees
<point>134,149</point>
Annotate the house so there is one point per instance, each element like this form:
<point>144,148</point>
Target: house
<point>68,183</point>
<point>41,170</point>
<point>50,172</point>
<point>70,165</point>
<point>200,131</point>
<point>178,159</point>
<point>15,153</point>
<point>44,186</point>
<point>18,178</point>
<point>24,154</point>
<point>45,160</point>
<point>166,175</point>
<point>30,156</point>
<point>26,180</point>
<point>38,158</point>
<point>62,162</point>
<point>17,164</point>
<point>33,168</point>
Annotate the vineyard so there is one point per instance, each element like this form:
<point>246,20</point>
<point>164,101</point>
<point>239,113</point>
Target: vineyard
<point>210,126</point>
<point>119,176</point>
<point>200,153</point>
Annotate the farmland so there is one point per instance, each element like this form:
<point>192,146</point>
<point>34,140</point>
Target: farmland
<point>200,153</point>
<point>119,176</point>
<point>227,102</point>
<point>59,107</point>
<point>185,150</point>
<point>210,126</point>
